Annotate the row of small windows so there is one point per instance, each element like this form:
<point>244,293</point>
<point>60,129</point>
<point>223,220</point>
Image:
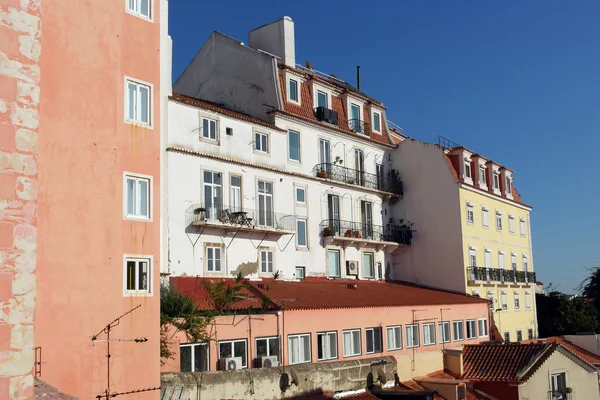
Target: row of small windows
<point>519,335</point>
<point>194,357</point>
<point>141,8</point>
<point>504,301</point>
<point>501,259</point>
<point>483,179</point>
<point>499,220</point>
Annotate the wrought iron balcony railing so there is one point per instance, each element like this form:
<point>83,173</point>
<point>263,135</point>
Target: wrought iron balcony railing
<point>359,126</point>
<point>201,214</point>
<point>359,230</point>
<point>488,274</point>
<point>355,177</point>
<point>564,394</point>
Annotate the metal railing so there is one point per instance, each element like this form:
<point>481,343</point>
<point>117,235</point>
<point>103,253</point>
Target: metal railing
<point>359,230</point>
<point>359,126</point>
<point>489,274</point>
<point>356,177</point>
<point>446,143</point>
<point>564,394</point>
<point>202,213</point>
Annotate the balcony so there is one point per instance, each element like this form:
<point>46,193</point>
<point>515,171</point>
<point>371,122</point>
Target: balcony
<point>499,276</point>
<point>346,233</point>
<point>350,176</point>
<point>239,219</point>
<point>562,394</point>
<point>358,126</point>
<point>325,114</point>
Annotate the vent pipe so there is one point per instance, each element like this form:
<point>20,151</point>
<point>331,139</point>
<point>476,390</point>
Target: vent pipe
<point>358,77</point>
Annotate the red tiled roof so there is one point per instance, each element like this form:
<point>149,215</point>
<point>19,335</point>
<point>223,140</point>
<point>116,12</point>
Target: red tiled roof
<point>208,105</point>
<point>337,294</point>
<point>43,391</point>
<point>581,352</point>
<point>500,362</point>
<point>304,110</point>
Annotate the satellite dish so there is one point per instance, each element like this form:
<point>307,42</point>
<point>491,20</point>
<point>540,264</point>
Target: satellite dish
<point>370,380</point>
<point>381,376</point>
<point>284,382</point>
<point>295,379</point>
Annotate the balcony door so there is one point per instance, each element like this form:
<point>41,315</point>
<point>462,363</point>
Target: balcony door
<point>379,173</point>
<point>236,193</point>
<point>366,212</point>
<point>325,154</point>
<point>333,206</point>
<point>355,117</point>
<point>265,203</point>
<point>213,194</point>
<point>359,166</point>
<point>488,263</point>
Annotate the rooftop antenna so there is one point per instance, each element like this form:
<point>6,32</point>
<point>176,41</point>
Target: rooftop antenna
<point>358,77</point>
<point>107,329</point>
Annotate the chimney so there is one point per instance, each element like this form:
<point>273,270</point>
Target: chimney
<point>276,38</point>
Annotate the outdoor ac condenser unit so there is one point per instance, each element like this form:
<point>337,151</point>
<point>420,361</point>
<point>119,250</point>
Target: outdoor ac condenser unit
<point>352,268</point>
<point>270,361</point>
<point>233,363</point>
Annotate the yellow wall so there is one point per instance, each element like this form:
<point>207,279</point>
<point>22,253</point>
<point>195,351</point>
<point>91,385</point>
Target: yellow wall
<point>583,383</point>
<point>484,238</point>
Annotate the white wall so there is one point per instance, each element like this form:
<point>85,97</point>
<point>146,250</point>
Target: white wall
<point>589,342</point>
<point>185,188</point>
<point>431,202</point>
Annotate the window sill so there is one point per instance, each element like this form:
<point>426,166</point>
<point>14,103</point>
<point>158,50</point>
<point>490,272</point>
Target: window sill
<point>398,349</point>
<point>472,338</point>
<point>353,355</point>
<point>137,294</point>
<point>140,16</point>
<point>138,123</point>
<point>301,362</point>
<point>210,141</point>
<point>302,248</point>
<point>428,345</point>
<point>412,347</point>
<point>136,218</point>
<point>262,153</point>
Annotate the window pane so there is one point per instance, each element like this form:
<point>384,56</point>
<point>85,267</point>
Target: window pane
<point>130,275</point>
<point>218,259</point>
<point>143,198</point>
<point>356,341</point>
<point>274,347</point>
<point>306,348</point>
<point>185,359</point>
<point>265,143</point>
<point>300,195</point>
<point>239,350</point>
<point>200,358</point>
<point>206,134</point>
<point>368,265</point>
<point>294,145</point>
<point>333,257</point>
<point>301,232</point>
<point>293,90</point>
<point>332,345</point>
<point>143,275</point>
<point>213,129</point>
<point>370,340</point>
<point>144,104</point>
<point>261,348</point>
<point>130,196</point>
<point>225,350</point>
<point>145,8</point>
<point>322,99</point>
<point>347,338</point>
<point>132,98</point>
<point>131,5</point>
<point>377,340</point>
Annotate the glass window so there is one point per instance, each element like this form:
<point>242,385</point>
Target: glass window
<point>507,337</point>
<point>333,261</point>
<point>299,349</point>
<point>498,221</point>
<point>137,276</point>
<point>351,342</point>
<point>517,301</point>
<point>236,193</point>
<point>138,103</point>
<point>412,336</point>
<point>267,347</point>
<point>529,333</point>
<point>213,259</point>
<point>428,334</point>
<point>209,128</point>
<point>482,174</point>
<point>470,215</point>
<point>496,181</point>
<point>508,185</point>
<point>504,301</point>
<point>294,145</point>
<point>473,257</point>
<point>322,99</point>
<point>527,300</point>
<point>483,327</point>
<point>300,272</point>
<point>519,335</point>
<point>140,8</point>
<point>374,340</point>
<point>511,224</point>
<point>266,216</point>
<point>293,90</point>
<point>376,122</point>
<point>522,227</point>
<point>559,384</point>
<point>193,357</point>
<point>369,265</point>
<point>266,261</point>
<point>301,233</point>
<point>300,195</point>
<point>484,217</point>
<point>444,332</point>
<point>500,260</point>
<point>233,348</point>
<point>394,337</point>
<point>326,345</point>
<point>471,329</point>
<point>467,168</point>
<point>261,142</point>
<point>459,330</point>
<point>137,197</point>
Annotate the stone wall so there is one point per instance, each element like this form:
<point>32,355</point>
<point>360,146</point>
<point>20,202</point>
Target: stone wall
<point>263,383</point>
<point>20,33</point>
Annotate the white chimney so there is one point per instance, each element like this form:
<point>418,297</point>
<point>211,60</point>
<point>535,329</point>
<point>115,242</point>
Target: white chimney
<point>276,38</point>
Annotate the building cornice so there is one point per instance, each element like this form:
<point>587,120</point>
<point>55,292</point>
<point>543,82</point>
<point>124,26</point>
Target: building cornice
<point>495,197</point>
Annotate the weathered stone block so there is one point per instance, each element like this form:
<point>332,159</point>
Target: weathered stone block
<point>7,233</point>
<point>27,188</point>
<point>28,93</point>
<point>8,185</point>
<point>26,140</point>
<point>25,116</point>
<point>16,162</point>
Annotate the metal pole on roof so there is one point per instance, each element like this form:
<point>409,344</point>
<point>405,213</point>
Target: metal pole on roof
<point>358,77</point>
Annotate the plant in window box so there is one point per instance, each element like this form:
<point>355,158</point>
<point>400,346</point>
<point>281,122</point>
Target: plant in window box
<point>328,231</point>
<point>357,234</point>
<point>568,390</point>
<point>394,182</point>
<point>322,173</point>
<point>348,233</point>
<point>338,160</point>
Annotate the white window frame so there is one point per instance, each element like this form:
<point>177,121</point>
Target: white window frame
<point>203,132</point>
<point>373,330</point>
<point>214,259</point>
<point>508,185</point>
<point>442,329</point>
<point>352,332</point>
<point>482,322</point>
<point>301,268</point>
<point>511,224</point>
<point>328,347</point>
<point>460,323</point>
<point>527,300</point>
<point>136,9</point>
<point>149,197</point>
<point>373,125</point>
<point>372,255</point>
<point>501,259</point>
<point>498,221</point>
<point>473,326</point>
<point>289,90</point>
<point>232,343</point>
<point>496,182</point>
<point>428,339</point>
<point>296,190</point>
<point>328,103</point>
<point>504,301</point>
<point>268,339</point>
<point>193,359</point>
<point>472,256</point>
<point>410,339</point>
<point>525,262</point>
<point>470,215</point>
<point>522,227</point>
<point>485,217</point>
<point>266,252</point>
<point>468,169</point>
<point>299,221</point>
<point>289,157</point>
<point>517,300</point>
<point>258,149</point>
<point>300,335</point>
<point>339,266</point>
<point>137,292</point>
<point>482,177</point>
<point>394,329</point>
<point>135,120</point>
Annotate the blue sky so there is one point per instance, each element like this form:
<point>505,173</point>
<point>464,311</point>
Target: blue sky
<point>518,82</point>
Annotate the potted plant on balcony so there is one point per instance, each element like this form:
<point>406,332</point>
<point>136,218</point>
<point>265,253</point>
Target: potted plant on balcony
<point>357,234</point>
<point>394,182</point>
<point>328,231</point>
<point>322,173</point>
<point>348,233</point>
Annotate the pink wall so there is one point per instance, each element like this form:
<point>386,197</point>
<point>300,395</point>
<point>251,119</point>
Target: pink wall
<point>313,321</point>
<point>89,47</point>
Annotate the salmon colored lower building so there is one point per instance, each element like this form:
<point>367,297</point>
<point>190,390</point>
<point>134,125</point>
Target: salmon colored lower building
<point>289,323</point>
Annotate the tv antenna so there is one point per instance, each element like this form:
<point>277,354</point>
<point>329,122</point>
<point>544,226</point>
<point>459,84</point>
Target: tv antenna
<point>106,330</point>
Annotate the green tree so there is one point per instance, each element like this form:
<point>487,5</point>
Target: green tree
<point>560,315</point>
<point>590,287</point>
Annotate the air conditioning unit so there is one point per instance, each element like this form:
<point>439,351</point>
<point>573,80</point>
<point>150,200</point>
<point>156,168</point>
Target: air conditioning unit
<point>270,361</point>
<point>352,268</point>
<point>232,363</point>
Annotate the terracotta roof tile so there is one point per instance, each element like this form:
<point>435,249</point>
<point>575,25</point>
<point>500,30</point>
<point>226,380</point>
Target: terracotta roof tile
<point>581,352</point>
<point>208,105</point>
<point>499,362</point>
<point>338,294</point>
<point>43,391</point>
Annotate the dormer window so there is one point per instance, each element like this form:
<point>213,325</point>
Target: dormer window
<point>293,90</point>
<point>376,122</point>
<point>496,181</point>
<point>508,185</point>
<point>467,168</point>
<point>482,174</point>
<point>322,100</point>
